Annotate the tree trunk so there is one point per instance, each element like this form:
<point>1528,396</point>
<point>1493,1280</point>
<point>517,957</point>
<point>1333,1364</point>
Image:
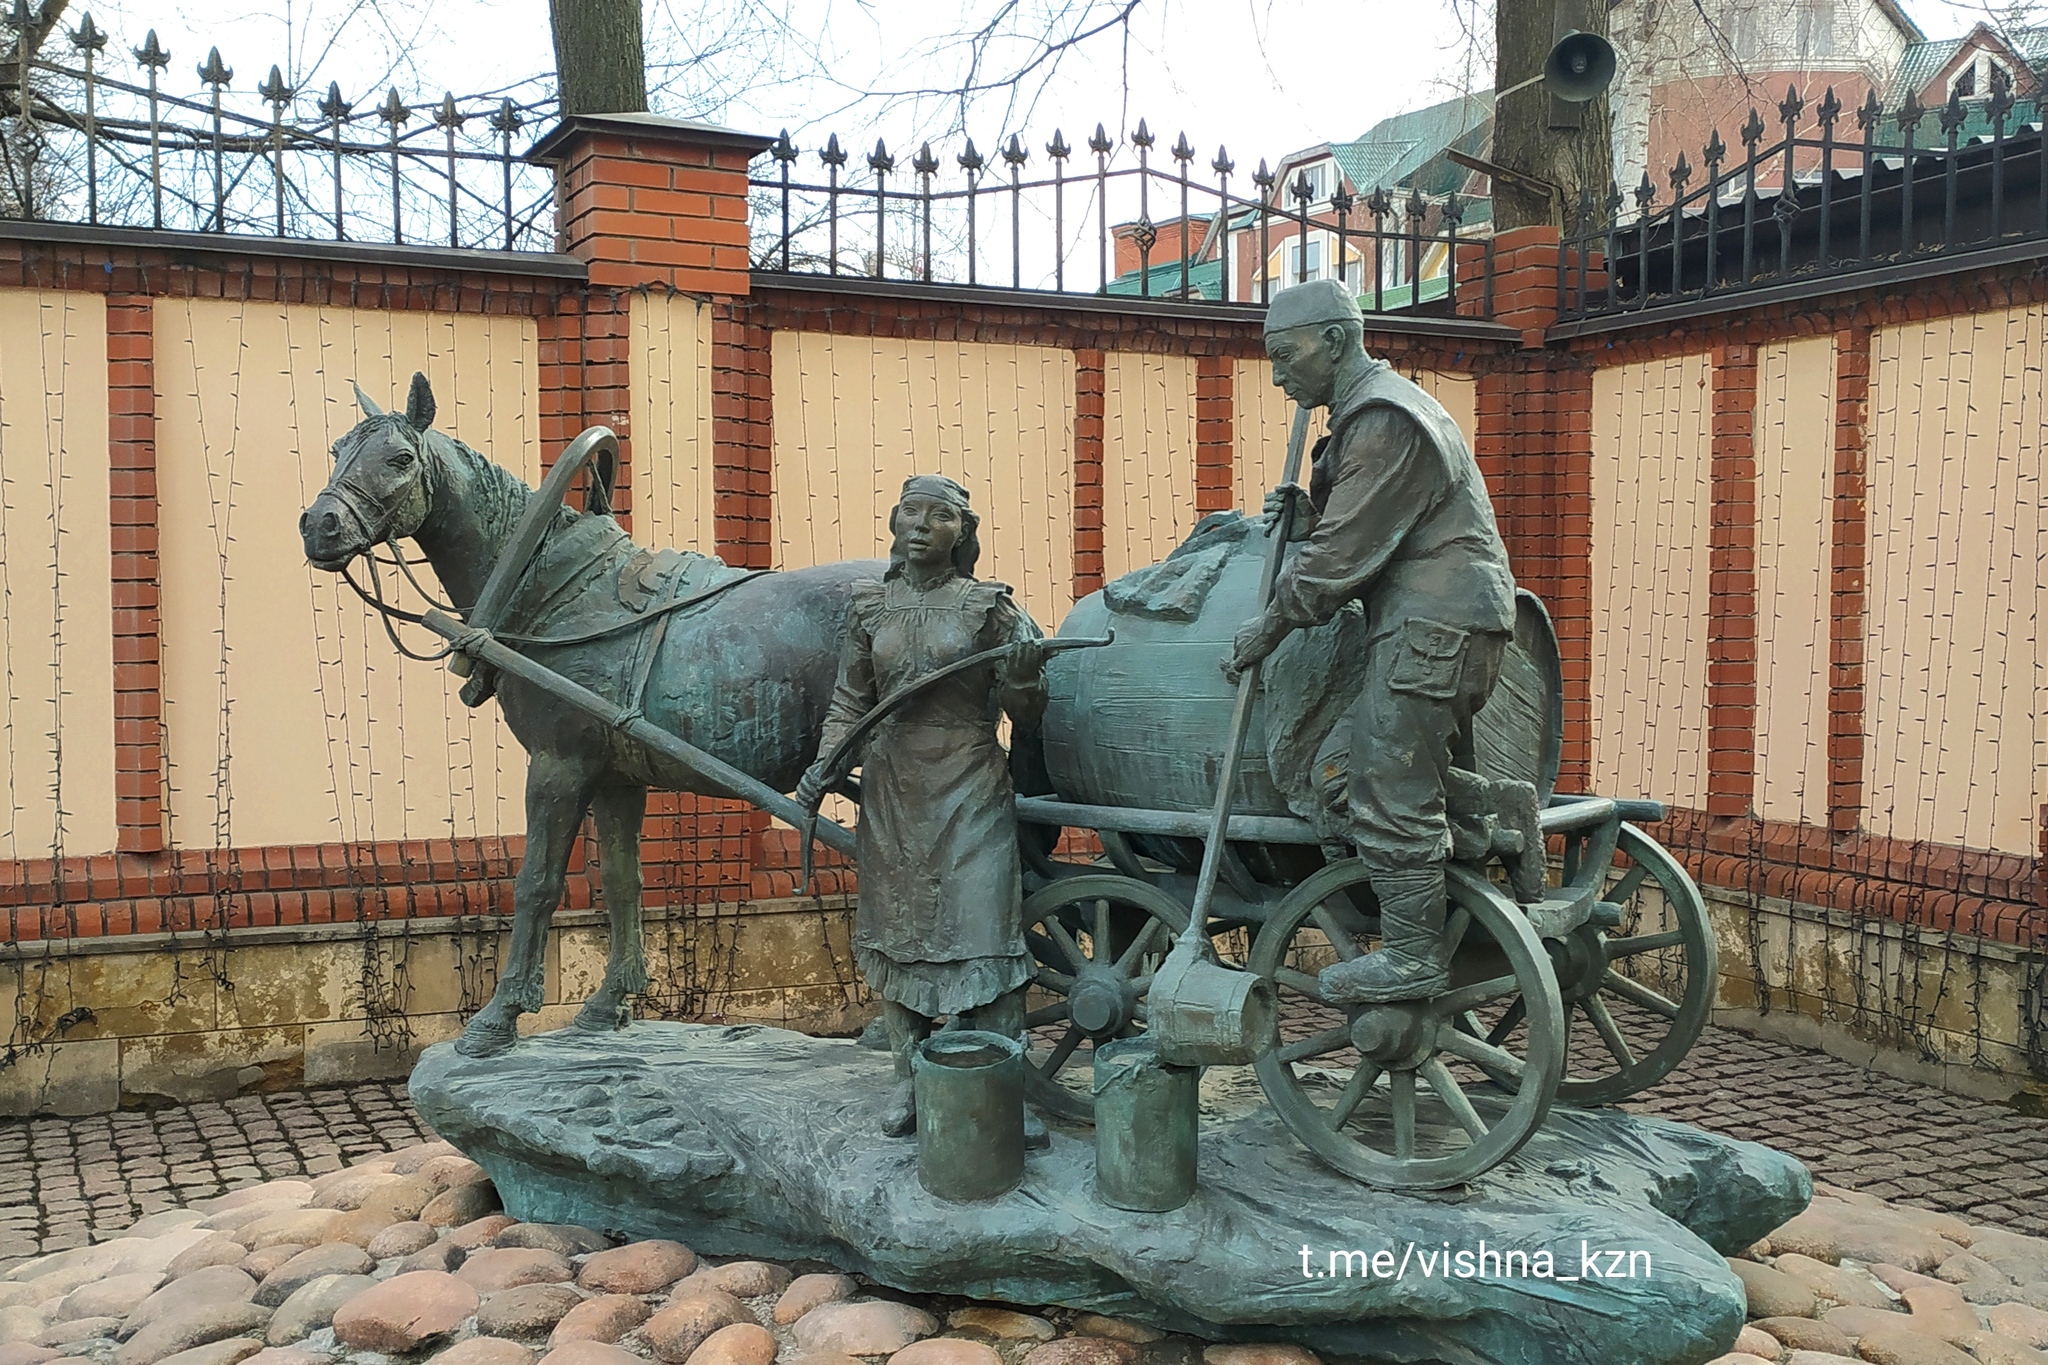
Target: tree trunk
<point>599,58</point>
<point>1577,160</point>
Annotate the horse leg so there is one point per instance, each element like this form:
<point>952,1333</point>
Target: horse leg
<point>620,812</point>
<point>558,792</point>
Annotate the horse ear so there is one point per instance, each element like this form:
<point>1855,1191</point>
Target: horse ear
<point>419,404</point>
<point>363,401</point>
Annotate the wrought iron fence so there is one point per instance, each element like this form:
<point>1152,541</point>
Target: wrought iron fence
<point>92,134</point>
<point>1124,220</point>
<point>1812,206</point>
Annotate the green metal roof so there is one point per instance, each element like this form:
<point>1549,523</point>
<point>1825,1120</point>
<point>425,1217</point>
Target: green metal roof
<point>1205,280</point>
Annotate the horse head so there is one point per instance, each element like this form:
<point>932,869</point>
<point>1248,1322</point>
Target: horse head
<point>381,488</point>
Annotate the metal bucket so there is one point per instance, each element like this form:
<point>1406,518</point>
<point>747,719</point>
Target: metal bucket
<point>970,1114</point>
<point>1147,1117</point>
<point>1204,1014</point>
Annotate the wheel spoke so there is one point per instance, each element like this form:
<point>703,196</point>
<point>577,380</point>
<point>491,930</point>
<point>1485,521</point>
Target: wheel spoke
<point>1052,980</point>
<point>1649,943</point>
<point>1058,1058</point>
<point>1339,940</point>
<point>1596,1010</point>
<point>1329,1040</point>
<point>1140,945</point>
<point>1300,981</point>
<point>1455,927</point>
<point>1404,1114</point>
<point>1042,946</point>
<point>1355,1090</point>
<point>1453,1095</point>
<point>1480,1051</point>
<point>1512,1016</point>
<point>1065,941</point>
<point>1102,928</point>
<point>1620,892</point>
<point>1051,1014</point>
<point>1140,984</point>
<point>1454,1003</point>
<point>1638,994</point>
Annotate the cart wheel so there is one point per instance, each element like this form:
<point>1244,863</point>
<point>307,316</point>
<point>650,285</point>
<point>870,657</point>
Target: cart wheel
<point>1345,1079</point>
<point>1637,989</point>
<point>1097,939</point>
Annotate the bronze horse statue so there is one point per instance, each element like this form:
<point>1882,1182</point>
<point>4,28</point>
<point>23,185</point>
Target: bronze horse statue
<point>739,664</point>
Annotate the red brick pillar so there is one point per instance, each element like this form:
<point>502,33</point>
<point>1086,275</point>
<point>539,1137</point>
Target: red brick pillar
<point>1846,587</point>
<point>1731,586</point>
<point>652,202</point>
<point>1534,442</point>
<point>1088,418</point>
<point>644,201</point>
<point>1215,434</point>
<point>138,616</point>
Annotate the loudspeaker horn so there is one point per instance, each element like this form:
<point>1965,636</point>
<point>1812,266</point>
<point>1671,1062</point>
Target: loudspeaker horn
<point>1579,67</point>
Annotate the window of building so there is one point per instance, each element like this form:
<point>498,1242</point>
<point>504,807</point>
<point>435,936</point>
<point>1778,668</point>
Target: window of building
<point>1292,267</point>
<point>1322,183</point>
<point>1744,35</point>
<point>1814,28</point>
<point>1973,81</point>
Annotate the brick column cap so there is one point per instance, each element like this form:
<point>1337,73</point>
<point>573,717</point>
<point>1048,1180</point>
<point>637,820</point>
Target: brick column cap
<point>557,145</point>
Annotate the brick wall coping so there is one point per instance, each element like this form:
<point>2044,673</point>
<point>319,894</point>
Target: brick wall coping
<point>545,264</point>
<point>28,952</point>
<point>1843,285</point>
<point>645,128</point>
<point>1048,302</point>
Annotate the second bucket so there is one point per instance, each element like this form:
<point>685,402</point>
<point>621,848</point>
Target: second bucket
<point>970,1114</point>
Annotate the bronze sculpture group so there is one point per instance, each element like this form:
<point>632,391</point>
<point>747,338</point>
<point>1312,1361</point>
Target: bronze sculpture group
<point>1369,909</point>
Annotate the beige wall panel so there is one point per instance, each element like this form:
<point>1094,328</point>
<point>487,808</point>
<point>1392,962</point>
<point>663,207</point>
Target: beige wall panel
<point>670,374</point>
<point>855,416</point>
<point>1652,436</point>
<point>289,717</point>
<point>1148,458</point>
<point>1958,581</point>
<point>1262,419</point>
<point>56,606</point>
<point>1795,454</point>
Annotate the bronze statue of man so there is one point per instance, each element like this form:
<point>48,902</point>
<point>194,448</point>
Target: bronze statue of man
<point>938,930</point>
<point>1398,519</point>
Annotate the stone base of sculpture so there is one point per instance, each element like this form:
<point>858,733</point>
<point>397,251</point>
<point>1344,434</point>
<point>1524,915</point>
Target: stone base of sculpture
<point>1599,1242</point>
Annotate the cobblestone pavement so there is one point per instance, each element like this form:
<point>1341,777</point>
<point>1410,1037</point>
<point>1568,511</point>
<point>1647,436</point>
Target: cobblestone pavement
<point>65,1181</point>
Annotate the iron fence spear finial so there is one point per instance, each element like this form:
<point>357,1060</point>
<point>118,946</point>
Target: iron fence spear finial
<point>87,36</point>
<point>277,94</point>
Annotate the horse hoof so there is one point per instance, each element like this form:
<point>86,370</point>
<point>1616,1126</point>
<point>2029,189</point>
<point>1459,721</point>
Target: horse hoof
<point>604,1020</point>
<point>486,1041</point>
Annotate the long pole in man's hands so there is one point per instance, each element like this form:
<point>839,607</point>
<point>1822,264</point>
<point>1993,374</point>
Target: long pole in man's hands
<point>1194,937</point>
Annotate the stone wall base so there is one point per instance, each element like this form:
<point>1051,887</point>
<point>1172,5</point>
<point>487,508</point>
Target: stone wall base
<point>1946,1010</point>
<point>94,1025</point>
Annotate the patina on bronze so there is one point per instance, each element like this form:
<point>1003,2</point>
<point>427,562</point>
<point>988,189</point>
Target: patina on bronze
<point>938,931</point>
<point>1399,519</point>
<point>683,658</point>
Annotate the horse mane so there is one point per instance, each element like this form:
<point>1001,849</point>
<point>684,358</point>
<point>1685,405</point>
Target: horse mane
<point>498,497</point>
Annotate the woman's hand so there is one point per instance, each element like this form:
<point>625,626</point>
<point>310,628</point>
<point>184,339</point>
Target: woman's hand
<point>1027,659</point>
<point>810,792</point>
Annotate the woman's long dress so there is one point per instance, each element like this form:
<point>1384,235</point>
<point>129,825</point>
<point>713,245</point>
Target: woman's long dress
<point>939,925</point>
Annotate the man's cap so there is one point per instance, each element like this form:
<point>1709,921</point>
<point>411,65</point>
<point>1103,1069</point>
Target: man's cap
<point>1312,304</point>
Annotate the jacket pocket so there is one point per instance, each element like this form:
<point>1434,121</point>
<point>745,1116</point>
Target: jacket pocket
<point>1431,659</point>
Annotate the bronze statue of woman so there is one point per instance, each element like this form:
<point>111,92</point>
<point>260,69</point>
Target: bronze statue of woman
<point>938,931</point>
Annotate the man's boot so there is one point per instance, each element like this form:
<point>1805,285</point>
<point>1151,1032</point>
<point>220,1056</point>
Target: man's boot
<point>907,1028</point>
<point>1410,963</point>
<point>1005,1015</point>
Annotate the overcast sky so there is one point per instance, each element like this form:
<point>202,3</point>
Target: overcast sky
<point>1263,76</point>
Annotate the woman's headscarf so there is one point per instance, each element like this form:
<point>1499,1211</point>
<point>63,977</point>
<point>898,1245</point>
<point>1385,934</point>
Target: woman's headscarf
<point>939,488</point>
